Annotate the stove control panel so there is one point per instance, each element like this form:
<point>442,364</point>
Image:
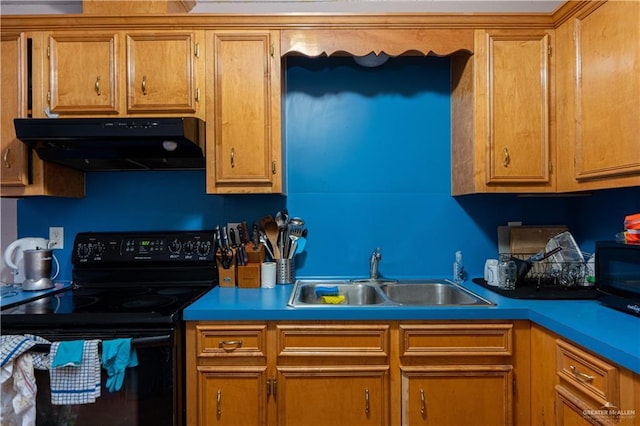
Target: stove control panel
<point>143,247</point>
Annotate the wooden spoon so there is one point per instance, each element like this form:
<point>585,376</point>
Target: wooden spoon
<point>271,229</point>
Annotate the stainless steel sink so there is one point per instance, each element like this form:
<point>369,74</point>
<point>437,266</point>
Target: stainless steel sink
<point>352,294</point>
<point>436,293</point>
<point>382,293</point>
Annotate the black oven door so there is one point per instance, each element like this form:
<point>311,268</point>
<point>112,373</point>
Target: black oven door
<point>149,395</point>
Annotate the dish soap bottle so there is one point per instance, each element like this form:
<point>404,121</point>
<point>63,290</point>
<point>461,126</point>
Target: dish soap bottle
<point>458,268</point>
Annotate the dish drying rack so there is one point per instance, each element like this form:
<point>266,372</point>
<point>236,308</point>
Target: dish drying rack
<point>568,269</point>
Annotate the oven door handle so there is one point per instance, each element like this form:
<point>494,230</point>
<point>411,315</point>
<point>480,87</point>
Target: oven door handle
<point>136,342</point>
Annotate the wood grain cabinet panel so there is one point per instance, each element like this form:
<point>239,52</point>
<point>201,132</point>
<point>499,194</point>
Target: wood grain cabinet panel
<point>13,49</point>
<point>501,110</point>
<point>598,91</point>
<point>162,72</point>
<point>457,395</point>
<point>125,73</point>
<point>608,90</point>
<point>244,153</point>
<point>83,73</point>
<point>22,173</point>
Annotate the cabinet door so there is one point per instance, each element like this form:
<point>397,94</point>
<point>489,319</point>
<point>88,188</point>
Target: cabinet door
<point>83,73</point>
<point>13,51</point>
<point>608,90</point>
<point>161,72</point>
<point>232,396</point>
<point>457,395</point>
<point>512,81</point>
<point>243,140</point>
<point>320,396</point>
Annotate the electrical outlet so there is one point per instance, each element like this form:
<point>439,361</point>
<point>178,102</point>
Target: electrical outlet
<point>56,237</point>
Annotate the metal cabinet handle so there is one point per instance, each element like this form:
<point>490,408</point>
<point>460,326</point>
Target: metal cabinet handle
<point>5,158</point>
<point>507,159</point>
<point>423,402</point>
<point>581,375</point>
<point>226,343</point>
<point>233,154</point>
<point>97,86</point>
<point>144,85</point>
<point>366,401</point>
<point>268,388</point>
<point>218,402</point>
<point>198,94</point>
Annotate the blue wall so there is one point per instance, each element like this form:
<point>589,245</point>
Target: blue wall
<point>368,161</point>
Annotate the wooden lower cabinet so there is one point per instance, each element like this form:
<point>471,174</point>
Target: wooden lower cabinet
<point>232,396</point>
<point>571,386</point>
<point>333,395</point>
<point>357,373</point>
<point>482,395</point>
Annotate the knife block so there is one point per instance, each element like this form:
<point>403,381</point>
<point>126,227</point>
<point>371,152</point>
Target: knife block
<point>249,275</point>
<point>256,255</point>
<point>226,277</point>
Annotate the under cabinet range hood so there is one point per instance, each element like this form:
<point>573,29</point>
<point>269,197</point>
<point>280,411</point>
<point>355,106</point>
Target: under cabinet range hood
<point>119,143</point>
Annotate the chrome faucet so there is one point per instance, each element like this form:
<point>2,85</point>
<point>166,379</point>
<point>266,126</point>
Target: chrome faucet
<point>374,260</point>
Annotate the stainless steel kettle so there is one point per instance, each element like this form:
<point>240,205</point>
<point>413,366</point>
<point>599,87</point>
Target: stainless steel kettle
<point>14,255</point>
<point>37,269</point>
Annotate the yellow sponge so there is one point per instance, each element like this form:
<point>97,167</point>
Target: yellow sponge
<point>332,300</point>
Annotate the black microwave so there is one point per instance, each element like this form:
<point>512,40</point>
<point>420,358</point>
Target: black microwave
<point>617,271</point>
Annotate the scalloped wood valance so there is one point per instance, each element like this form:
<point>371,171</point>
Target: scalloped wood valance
<point>360,42</point>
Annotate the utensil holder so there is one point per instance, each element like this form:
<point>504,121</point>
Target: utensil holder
<point>285,271</point>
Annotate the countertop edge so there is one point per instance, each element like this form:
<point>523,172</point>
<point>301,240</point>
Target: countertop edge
<point>606,332</point>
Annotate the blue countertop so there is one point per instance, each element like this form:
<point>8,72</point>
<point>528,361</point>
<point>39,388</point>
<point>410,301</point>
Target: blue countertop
<point>611,334</point>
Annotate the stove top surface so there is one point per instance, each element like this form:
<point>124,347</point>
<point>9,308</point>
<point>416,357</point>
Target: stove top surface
<point>105,306</point>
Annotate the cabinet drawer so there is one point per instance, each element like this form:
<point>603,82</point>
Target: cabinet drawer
<point>456,340</point>
<point>333,340</point>
<point>230,341</point>
<point>589,374</point>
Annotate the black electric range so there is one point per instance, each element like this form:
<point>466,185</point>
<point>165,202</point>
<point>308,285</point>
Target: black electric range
<point>141,278</point>
<point>124,285</point>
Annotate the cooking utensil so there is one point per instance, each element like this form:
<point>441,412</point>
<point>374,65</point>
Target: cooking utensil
<point>295,232</point>
<point>267,244</point>
<point>271,230</point>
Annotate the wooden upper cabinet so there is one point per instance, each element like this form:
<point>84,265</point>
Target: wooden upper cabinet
<point>608,90</point>
<point>14,104</point>
<point>598,97</point>
<point>105,73</point>
<point>83,73</point>
<point>22,173</point>
<point>161,72</point>
<point>243,118</point>
<point>501,114</point>
<point>516,130</point>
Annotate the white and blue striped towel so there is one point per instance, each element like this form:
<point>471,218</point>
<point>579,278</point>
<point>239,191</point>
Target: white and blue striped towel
<point>76,384</point>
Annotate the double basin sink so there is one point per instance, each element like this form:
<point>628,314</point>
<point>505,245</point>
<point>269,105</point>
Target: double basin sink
<point>382,293</point>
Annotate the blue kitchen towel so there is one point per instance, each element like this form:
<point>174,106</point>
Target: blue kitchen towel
<point>117,354</point>
<point>69,353</point>
<point>76,385</point>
